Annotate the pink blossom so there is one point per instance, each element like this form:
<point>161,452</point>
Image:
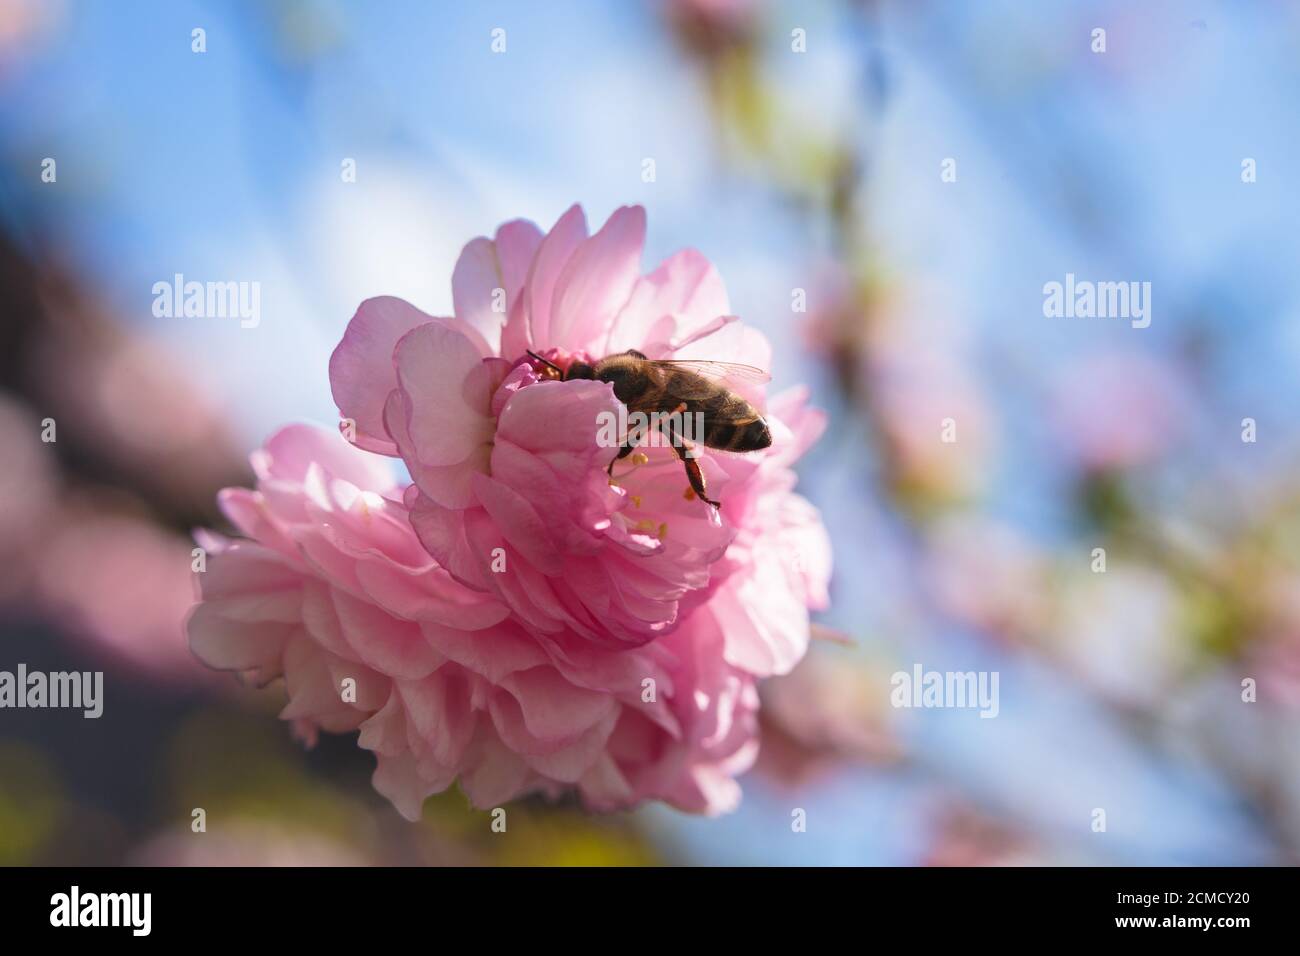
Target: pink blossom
<point>55,536</point>
<point>514,619</point>
<point>1120,409</point>
<point>131,607</point>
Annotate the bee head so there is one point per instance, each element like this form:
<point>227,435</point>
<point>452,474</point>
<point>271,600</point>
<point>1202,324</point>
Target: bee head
<point>579,370</point>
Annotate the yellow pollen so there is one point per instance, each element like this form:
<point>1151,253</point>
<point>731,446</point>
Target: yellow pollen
<point>636,501</point>
<point>645,526</point>
<point>640,458</point>
<point>663,529</point>
<point>689,494</point>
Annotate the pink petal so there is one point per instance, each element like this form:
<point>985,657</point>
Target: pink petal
<point>767,625</point>
<point>597,281</point>
<point>570,763</point>
<point>484,267</point>
<point>428,594</point>
<point>313,692</point>
<point>398,779</point>
<point>444,534</point>
<point>391,646</point>
<point>686,288</point>
<point>492,655</point>
<point>552,256</point>
<point>361,368</point>
<point>385,731</point>
<point>245,510</point>
<point>451,486</point>
<point>496,775</point>
<point>553,420</point>
<point>604,787</point>
<point>805,423</point>
<point>290,453</point>
<point>248,570</point>
<point>438,708</point>
<point>322,621</point>
<point>229,645</point>
<point>552,707</point>
<point>520,523</point>
<point>433,363</point>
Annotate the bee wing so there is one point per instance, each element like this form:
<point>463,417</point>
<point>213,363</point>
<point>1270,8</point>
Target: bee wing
<point>720,372</point>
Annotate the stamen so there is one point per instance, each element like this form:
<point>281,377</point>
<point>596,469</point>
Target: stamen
<point>553,370</point>
<point>637,458</point>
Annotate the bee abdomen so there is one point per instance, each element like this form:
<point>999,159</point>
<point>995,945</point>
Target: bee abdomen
<point>727,436</point>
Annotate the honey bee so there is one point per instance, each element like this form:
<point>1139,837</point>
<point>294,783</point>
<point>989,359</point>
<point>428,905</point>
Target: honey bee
<point>664,389</point>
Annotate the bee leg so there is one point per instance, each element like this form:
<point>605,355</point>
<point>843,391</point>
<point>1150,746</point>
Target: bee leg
<point>696,477</point>
<point>693,473</point>
<point>629,445</point>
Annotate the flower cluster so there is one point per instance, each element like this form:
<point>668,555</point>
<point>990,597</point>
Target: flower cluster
<point>514,618</point>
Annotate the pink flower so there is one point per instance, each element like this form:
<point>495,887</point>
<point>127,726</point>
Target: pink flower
<point>514,619</point>
<point>133,606</point>
<point>1120,409</point>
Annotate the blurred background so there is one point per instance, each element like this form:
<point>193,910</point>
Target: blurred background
<point>885,187</point>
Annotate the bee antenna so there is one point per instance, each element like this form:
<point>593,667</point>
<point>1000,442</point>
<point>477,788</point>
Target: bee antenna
<point>545,361</point>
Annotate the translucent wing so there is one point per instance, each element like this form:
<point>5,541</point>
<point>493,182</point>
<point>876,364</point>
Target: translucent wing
<point>718,371</point>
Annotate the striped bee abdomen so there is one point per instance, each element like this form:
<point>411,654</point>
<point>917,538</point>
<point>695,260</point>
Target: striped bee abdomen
<point>730,436</point>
